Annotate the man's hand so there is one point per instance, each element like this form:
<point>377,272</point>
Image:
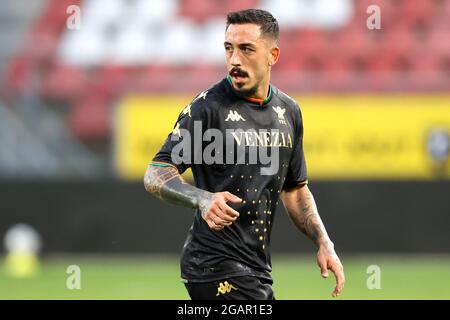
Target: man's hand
<point>216,212</point>
<point>327,259</point>
<point>166,183</point>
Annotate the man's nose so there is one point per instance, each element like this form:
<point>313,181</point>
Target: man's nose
<point>235,59</point>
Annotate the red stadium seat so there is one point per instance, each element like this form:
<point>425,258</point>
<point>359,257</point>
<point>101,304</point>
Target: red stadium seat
<point>64,83</point>
<point>235,5</point>
<point>444,11</point>
<point>41,43</point>
<point>19,74</point>
<point>354,42</point>
<point>290,55</point>
<point>438,42</point>
<point>200,76</point>
<point>89,120</point>
<point>399,40</point>
<point>411,12</point>
<point>311,44</point>
<point>113,78</point>
<point>154,79</point>
<point>391,63</point>
<point>200,10</point>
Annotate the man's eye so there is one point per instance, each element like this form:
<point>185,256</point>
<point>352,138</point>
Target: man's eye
<point>228,48</point>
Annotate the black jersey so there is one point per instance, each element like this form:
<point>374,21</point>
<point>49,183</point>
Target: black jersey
<point>274,126</point>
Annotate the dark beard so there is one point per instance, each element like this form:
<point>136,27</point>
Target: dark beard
<point>247,93</point>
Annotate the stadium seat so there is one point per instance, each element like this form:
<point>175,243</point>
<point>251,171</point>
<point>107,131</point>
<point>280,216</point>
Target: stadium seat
<point>89,119</point>
<point>289,56</point>
<point>235,5</point>
<point>411,12</point>
<point>199,10</point>
<point>19,74</point>
<point>41,42</point>
<point>399,40</point>
<point>64,83</point>
<point>310,42</point>
<point>156,78</point>
<point>438,42</point>
<point>353,42</point>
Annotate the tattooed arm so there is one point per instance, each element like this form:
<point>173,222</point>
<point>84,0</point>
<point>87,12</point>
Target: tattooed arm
<point>301,207</point>
<point>164,181</point>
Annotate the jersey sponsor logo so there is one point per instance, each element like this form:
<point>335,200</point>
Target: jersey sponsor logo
<point>262,138</point>
<point>235,147</point>
<point>224,288</point>
<point>234,116</point>
<point>280,113</point>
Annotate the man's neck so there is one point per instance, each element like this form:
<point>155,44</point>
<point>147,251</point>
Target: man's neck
<point>263,93</point>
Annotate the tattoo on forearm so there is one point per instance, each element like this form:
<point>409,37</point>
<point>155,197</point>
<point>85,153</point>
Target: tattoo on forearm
<point>167,184</point>
<point>309,222</point>
<point>155,179</point>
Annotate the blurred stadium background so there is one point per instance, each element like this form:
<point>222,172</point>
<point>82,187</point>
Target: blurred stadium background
<point>84,105</point>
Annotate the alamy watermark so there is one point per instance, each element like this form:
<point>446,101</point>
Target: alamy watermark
<point>73,281</point>
<point>73,22</point>
<point>373,22</point>
<point>374,280</point>
<point>237,147</point>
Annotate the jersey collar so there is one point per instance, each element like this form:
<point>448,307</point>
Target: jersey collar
<point>257,101</point>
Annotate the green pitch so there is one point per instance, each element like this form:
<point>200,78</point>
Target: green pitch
<point>296,277</point>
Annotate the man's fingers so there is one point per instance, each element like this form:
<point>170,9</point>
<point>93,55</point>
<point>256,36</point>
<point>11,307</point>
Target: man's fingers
<point>219,217</point>
<point>227,212</point>
<point>211,224</point>
<point>223,215</point>
<point>214,222</point>
<point>231,197</point>
<point>340,279</point>
<point>219,214</point>
<point>335,293</point>
<point>230,212</point>
<point>337,290</point>
<point>328,260</point>
<point>323,267</point>
<point>214,226</point>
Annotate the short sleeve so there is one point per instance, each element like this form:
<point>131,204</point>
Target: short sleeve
<point>185,141</point>
<point>296,174</point>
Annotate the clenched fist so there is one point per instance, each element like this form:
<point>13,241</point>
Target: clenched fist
<point>216,212</point>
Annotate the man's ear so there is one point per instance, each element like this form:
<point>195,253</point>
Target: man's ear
<point>274,55</point>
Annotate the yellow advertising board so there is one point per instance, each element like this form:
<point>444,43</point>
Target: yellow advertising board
<point>345,137</point>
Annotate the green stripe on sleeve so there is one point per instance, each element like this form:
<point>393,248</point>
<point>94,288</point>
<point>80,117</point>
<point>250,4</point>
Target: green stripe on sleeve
<point>159,164</point>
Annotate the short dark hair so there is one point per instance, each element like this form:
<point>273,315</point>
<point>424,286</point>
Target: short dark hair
<point>264,19</point>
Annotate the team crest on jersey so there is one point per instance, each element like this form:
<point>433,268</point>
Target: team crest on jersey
<point>234,116</point>
<point>280,113</point>
<point>225,287</point>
